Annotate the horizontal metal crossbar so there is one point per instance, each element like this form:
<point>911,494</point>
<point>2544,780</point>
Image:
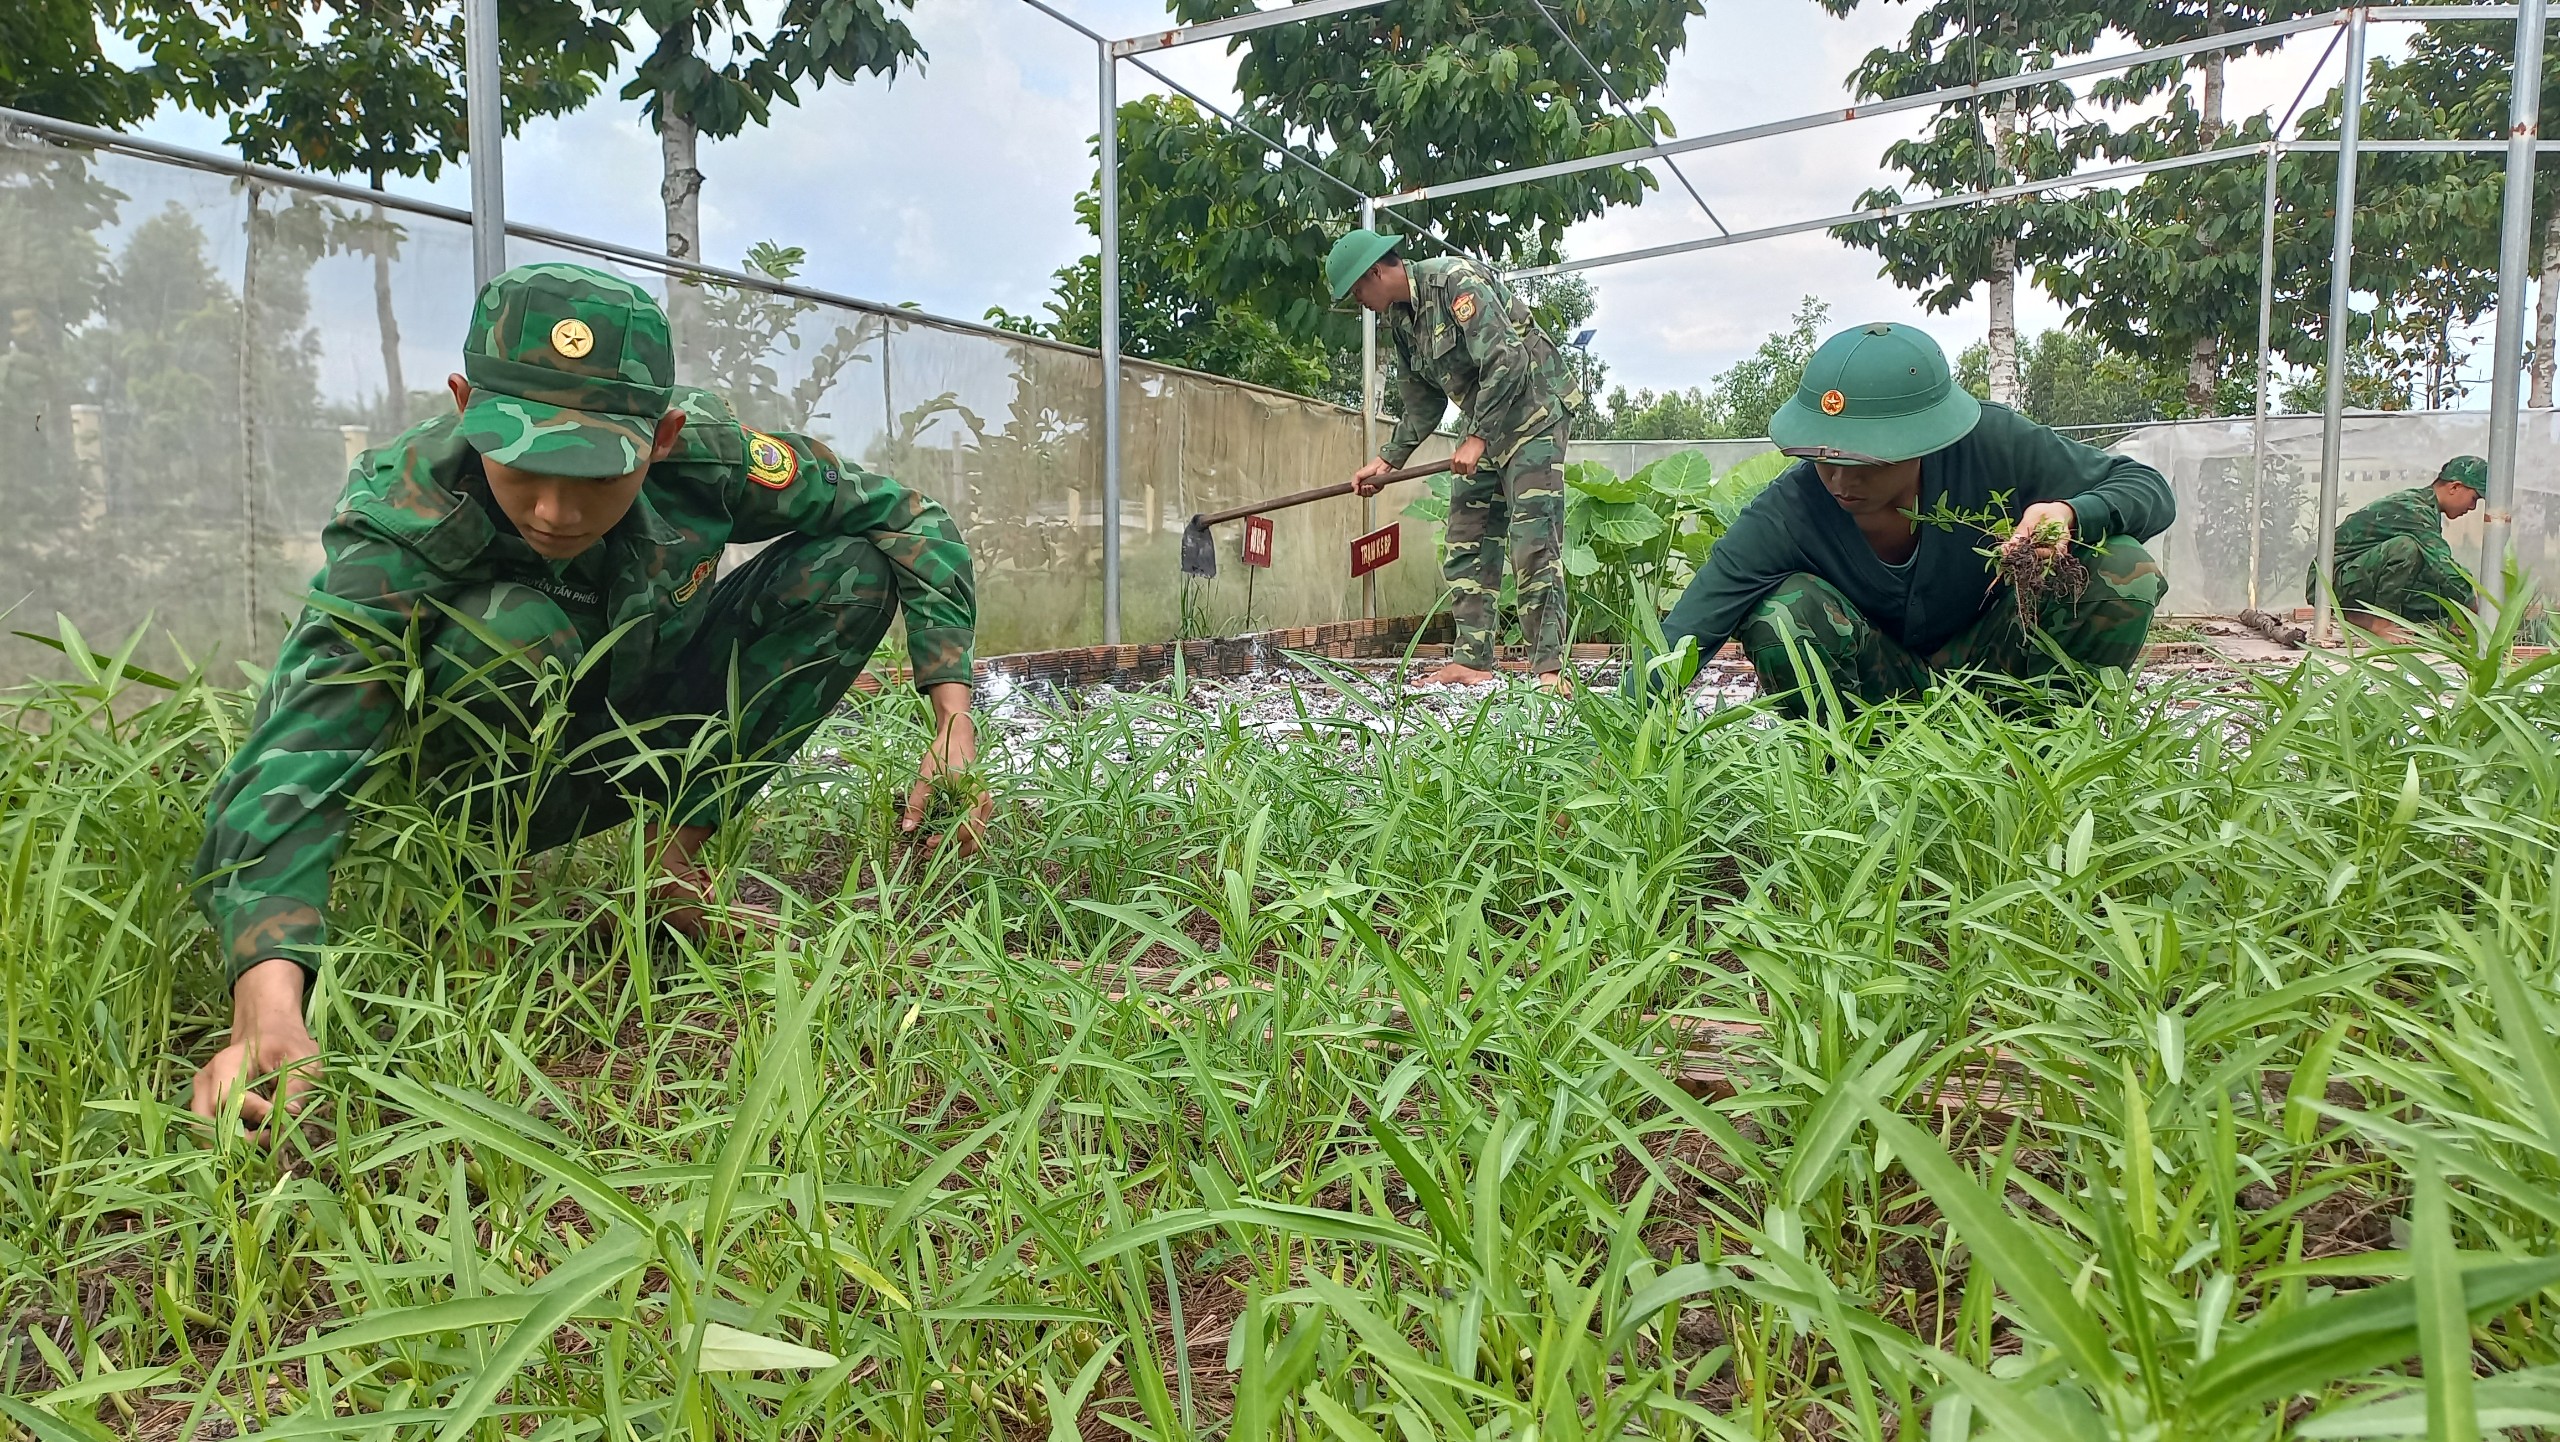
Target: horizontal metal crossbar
<point>1953,94</point>
<point>2023,188</point>
<point>1234,25</point>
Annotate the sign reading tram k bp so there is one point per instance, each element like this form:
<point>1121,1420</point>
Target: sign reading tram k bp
<point>1257,541</point>
<point>1378,548</point>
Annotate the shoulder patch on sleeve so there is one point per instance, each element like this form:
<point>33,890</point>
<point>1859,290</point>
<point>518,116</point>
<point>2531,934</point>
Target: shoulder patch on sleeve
<point>771,463</point>
<point>1464,307</point>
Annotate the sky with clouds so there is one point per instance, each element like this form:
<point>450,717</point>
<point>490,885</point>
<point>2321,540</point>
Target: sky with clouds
<point>952,188</point>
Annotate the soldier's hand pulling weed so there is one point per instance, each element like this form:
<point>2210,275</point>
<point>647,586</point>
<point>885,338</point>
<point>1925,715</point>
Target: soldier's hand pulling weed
<point>268,1041</point>
<point>945,784</point>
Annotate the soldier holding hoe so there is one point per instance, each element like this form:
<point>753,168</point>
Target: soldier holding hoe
<point>576,499</point>
<point>2391,555</point>
<point>1461,334</point>
<point>1834,564</point>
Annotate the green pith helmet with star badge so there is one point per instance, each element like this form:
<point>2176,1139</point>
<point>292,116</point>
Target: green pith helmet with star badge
<point>2469,471</point>
<point>1352,256</point>
<point>1873,395</point>
<point>570,369</point>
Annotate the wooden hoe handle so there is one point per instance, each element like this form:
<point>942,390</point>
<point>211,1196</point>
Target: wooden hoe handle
<point>1320,493</point>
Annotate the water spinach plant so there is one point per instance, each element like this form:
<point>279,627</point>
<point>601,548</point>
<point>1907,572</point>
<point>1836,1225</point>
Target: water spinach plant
<point>2180,1064</point>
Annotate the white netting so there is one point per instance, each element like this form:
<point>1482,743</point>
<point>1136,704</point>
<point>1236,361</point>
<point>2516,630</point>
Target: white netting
<point>189,363</point>
<point>2209,465</point>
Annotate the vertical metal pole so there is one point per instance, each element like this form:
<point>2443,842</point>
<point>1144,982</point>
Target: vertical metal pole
<point>487,138</point>
<point>2515,241</point>
<point>1110,139</point>
<point>2266,334</point>
<point>1368,419</point>
<point>2342,249</point>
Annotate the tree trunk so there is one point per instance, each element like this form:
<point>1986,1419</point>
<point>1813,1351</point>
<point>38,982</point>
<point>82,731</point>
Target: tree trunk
<point>2204,362</point>
<point>395,389</point>
<point>2546,311</point>
<point>2204,376</point>
<point>2003,338</point>
<point>679,188</point>
<point>2004,321</point>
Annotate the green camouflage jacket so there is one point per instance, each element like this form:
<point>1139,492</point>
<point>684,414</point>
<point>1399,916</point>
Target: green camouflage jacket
<point>2412,512</point>
<point>1465,337</point>
<point>409,532</point>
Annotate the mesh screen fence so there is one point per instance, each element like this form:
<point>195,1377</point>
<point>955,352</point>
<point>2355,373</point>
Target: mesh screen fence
<point>2210,465</point>
<point>191,361</point>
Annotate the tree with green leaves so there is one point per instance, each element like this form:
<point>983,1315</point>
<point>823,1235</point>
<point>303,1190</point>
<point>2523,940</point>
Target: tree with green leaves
<point>688,93</point>
<point>365,87</point>
<point>2070,378</point>
<point>1431,91</point>
<point>1736,404</point>
<point>2453,81</point>
<point>747,332</point>
<point>1187,196</point>
<point>2025,134</point>
<point>1192,201</point>
<point>2176,274</point>
<point>50,63</point>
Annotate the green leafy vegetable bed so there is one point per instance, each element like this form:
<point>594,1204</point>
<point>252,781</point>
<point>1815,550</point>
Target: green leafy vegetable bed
<point>2181,1065</point>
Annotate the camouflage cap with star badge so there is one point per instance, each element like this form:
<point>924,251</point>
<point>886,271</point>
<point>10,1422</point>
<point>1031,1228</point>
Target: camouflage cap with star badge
<point>570,369</point>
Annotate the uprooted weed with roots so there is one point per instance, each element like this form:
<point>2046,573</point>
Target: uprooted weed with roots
<point>2038,567</point>
<point>2180,1065</point>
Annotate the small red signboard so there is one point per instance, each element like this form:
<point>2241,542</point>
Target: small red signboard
<point>1378,548</point>
<point>1257,541</point>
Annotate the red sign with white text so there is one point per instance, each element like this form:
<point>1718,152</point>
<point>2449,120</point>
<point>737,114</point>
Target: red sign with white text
<point>1257,541</point>
<point>1378,548</point>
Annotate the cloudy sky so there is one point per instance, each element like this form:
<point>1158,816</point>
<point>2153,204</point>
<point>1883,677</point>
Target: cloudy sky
<point>952,188</point>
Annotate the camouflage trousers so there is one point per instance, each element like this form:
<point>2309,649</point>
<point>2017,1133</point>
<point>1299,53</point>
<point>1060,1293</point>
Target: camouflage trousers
<point>2399,577</point>
<point>1806,615</point>
<point>781,639</point>
<point>1519,506</point>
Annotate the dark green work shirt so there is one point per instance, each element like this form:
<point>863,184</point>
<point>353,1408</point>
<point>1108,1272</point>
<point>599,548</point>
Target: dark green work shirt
<point>1795,526</point>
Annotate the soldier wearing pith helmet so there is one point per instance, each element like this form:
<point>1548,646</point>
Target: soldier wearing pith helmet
<point>1832,567</point>
<point>1461,334</point>
<point>566,518</point>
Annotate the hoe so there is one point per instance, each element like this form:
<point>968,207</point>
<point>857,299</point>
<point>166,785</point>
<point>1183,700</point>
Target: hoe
<point>1200,556</point>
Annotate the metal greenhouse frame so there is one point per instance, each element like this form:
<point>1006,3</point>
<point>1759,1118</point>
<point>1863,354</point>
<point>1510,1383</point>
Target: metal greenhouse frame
<point>2520,146</point>
<point>489,225</point>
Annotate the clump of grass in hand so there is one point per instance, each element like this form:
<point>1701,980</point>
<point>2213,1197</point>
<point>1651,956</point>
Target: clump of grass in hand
<point>2036,566</point>
<point>951,796</point>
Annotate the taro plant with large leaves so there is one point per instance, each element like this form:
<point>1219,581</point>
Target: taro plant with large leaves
<point>1632,542</point>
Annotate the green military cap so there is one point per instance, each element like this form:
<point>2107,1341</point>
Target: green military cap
<point>1352,256</point>
<point>2466,471</point>
<point>570,369</point>
<point>1872,395</point>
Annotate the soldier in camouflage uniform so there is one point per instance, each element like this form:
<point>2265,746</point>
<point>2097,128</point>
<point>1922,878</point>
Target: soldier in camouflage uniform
<point>1460,334</point>
<point>560,533</point>
<point>2391,555</point>
<point>1831,569</point>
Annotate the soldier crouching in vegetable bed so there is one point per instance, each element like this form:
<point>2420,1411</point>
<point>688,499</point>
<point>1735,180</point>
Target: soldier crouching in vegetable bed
<point>1867,561</point>
<point>576,501</point>
<point>2391,555</point>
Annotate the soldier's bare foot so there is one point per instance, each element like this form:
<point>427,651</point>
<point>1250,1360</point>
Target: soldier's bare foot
<point>1454,674</point>
<point>1555,683</point>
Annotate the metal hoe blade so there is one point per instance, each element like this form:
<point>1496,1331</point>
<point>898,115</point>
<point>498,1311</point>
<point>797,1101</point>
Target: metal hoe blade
<point>1199,550</point>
